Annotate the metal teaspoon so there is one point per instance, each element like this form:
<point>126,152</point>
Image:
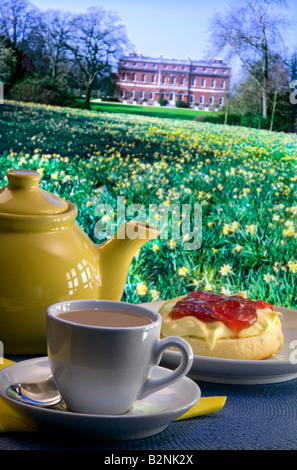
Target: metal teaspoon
<point>41,394</point>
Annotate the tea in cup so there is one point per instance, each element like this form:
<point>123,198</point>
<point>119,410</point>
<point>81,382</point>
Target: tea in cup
<point>101,354</point>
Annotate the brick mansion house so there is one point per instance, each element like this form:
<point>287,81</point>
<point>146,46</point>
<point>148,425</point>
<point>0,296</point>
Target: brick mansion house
<point>204,84</point>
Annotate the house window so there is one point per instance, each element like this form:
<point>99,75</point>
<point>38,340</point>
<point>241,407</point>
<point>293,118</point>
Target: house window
<point>191,98</point>
<point>223,84</point>
<point>221,101</point>
<point>133,77</point>
<point>131,93</point>
<point>163,78</point>
<point>182,80</point>
<point>153,79</point>
<point>172,80</point>
<point>123,76</point>
<point>141,95</point>
<point>180,96</point>
<point>203,82</point>
<point>123,93</point>
<point>213,84</point>
<point>151,95</point>
<point>211,100</point>
<point>143,77</point>
<point>213,70</point>
<point>193,81</point>
<point>171,96</point>
<point>201,99</point>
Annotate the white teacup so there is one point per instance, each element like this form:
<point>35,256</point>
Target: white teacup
<point>105,369</point>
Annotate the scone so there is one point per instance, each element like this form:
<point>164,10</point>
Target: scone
<point>222,326</point>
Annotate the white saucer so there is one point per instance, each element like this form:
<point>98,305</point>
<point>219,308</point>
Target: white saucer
<point>147,417</point>
<point>278,368</point>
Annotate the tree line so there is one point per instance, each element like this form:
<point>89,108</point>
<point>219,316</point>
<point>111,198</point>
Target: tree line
<point>256,32</point>
<point>44,54</point>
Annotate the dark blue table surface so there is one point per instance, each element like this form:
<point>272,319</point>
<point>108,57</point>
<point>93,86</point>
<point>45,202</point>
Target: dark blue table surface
<point>255,417</point>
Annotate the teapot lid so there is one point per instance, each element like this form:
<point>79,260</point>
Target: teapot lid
<point>23,196</point>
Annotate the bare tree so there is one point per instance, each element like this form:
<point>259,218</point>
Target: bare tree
<point>278,86</point>
<point>8,61</point>
<point>97,40</point>
<point>252,30</point>
<point>19,30</point>
<point>18,21</point>
<point>55,34</point>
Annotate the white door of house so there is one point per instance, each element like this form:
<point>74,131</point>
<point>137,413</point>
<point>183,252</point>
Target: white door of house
<point>171,99</point>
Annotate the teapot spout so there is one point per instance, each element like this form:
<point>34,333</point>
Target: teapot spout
<point>115,256</point>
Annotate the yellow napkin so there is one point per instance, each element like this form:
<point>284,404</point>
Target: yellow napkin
<point>204,406</point>
<point>12,421</point>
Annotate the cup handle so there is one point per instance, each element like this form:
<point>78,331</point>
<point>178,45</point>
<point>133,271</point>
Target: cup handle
<point>152,385</point>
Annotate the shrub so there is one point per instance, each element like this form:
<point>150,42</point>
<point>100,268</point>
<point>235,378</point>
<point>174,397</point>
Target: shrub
<point>37,90</point>
<point>163,102</point>
<point>233,119</point>
<point>181,104</point>
<point>257,121</point>
<point>110,99</point>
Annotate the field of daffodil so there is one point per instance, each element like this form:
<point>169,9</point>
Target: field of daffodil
<point>244,179</point>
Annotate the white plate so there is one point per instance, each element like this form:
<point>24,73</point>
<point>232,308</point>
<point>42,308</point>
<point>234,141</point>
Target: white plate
<point>277,368</point>
<point>147,417</point>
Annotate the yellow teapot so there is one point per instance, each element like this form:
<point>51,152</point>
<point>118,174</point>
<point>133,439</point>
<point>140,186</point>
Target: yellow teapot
<point>46,258</point>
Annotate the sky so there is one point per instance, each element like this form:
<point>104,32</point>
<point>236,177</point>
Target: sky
<point>174,28</point>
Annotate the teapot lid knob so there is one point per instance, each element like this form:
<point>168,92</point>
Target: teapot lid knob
<point>23,196</point>
<point>23,179</point>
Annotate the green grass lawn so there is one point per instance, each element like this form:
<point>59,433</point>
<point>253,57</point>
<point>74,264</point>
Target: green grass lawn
<point>153,111</point>
<point>244,179</point>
